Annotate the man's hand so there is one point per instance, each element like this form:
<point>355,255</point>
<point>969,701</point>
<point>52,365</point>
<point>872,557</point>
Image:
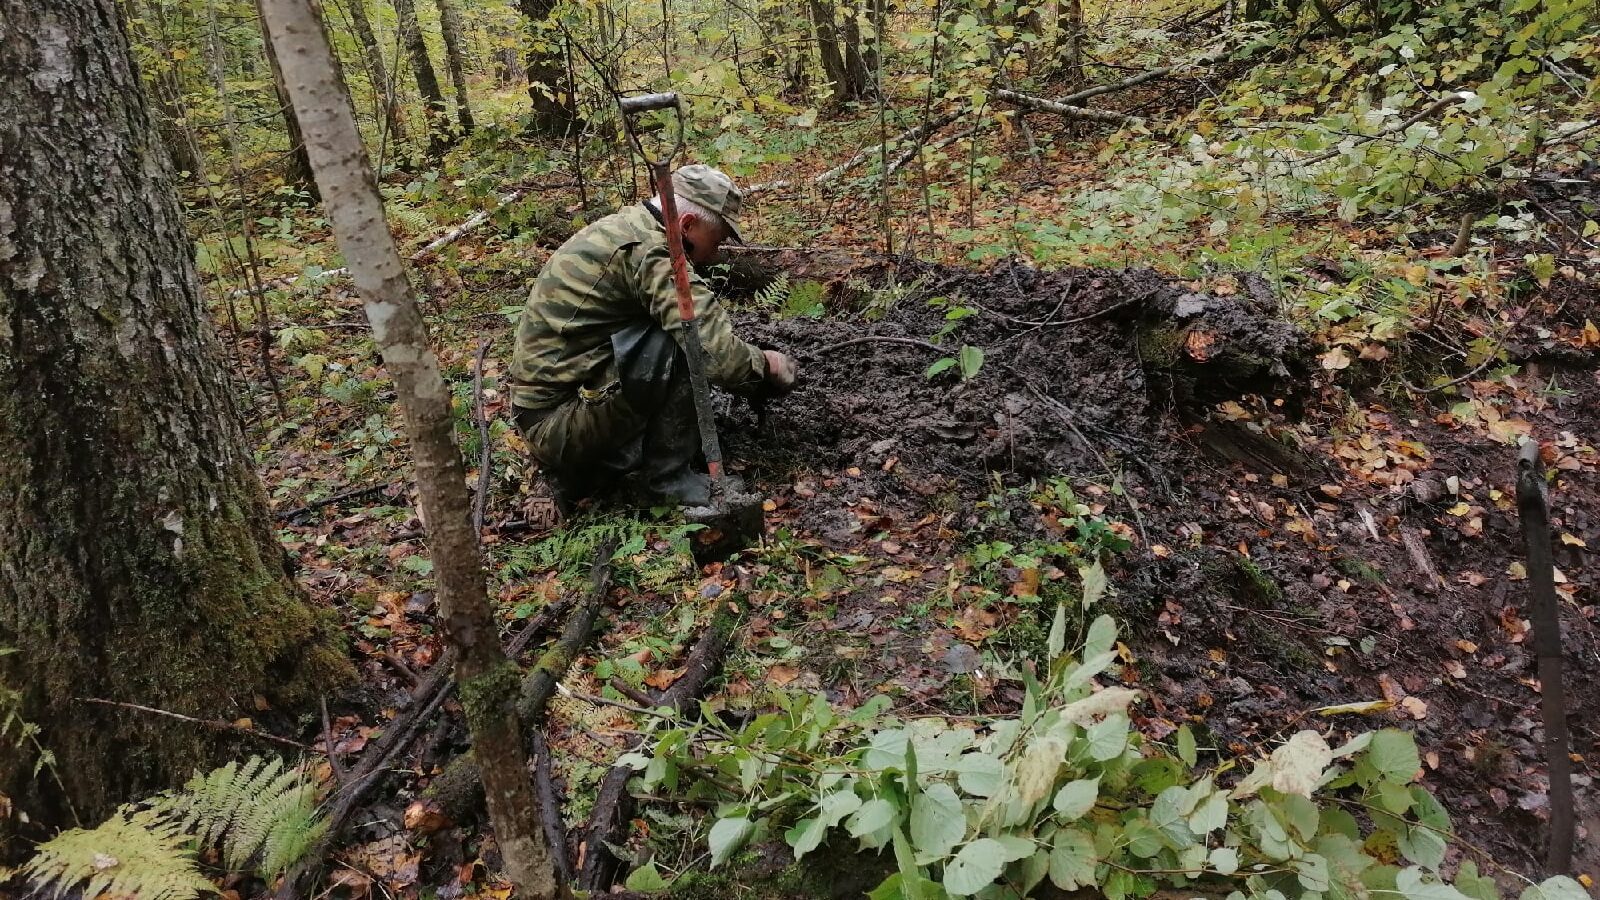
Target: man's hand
<point>780,373</point>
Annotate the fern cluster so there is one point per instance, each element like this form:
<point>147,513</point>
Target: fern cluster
<point>260,814</point>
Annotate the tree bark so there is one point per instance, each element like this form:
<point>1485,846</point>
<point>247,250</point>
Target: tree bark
<point>487,680</point>
<point>554,112</point>
<point>372,52</point>
<point>831,52</point>
<point>299,165</point>
<point>1069,39</point>
<point>857,66</point>
<point>434,109</point>
<point>450,25</point>
<point>137,559</point>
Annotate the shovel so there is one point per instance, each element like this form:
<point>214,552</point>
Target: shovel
<point>733,520</point>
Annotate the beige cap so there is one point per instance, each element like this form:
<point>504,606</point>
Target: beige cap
<point>710,189</point>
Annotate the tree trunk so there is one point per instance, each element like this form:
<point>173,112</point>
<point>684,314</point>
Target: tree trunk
<point>1069,39</point>
<point>299,165</point>
<point>831,52</point>
<point>137,558</point>
<point>450,24</point>
<point>554,110</point>
<point>382,87</point>
<point>857,70</point>
<point>489,682</point>
<point>166,88</point>
<point>433,103</point>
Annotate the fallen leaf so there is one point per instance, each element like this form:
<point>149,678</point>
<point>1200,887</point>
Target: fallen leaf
<point>1415,707</point>
<point>1572,541</point>
<point>1335,359</point>
<point>1198,344</point>
<point>425,817</point>
<point>781,675</point>
<point>1368,708</point>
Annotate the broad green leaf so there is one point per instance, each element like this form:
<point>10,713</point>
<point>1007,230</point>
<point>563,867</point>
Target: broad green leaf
<point>975,867</point>
<point>646,879</point>
<point>979,774</point>
<point>937,821</point>
<point>873,815</point>
<point>1094,583</point>
<point>1072,860</point>
<point>906,861</point>
<point>805,836</point>
<point>1102,636</point>
<point>1225,860</point>
<point>1558,888</point>
<point>1076,798</point>
<point>835,806</point>
<point>1188,751</point>
<point>1210,813</point>
<point>940,365</point>
<point>1108,739</point>
<point>1313,873</point>
<point>1057,641</point>
<point>1423,846</point>
<point>1410,883</point>
<point>971,361</point>
<point>1469,882</point>
<point>1394,754</point>
<point>727,836</point>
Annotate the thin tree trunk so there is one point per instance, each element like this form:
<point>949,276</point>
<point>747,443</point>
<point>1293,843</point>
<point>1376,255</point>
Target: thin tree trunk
<point>372,52</point>
<point>450,24</point>
<point>856,69</point>
<point>488,681</point>
<point>1069,39</point>
<point>435,110</point>
<point>828,51</point>
<point>553,103</point>
<point>298,164</point>
<point>137,559</point>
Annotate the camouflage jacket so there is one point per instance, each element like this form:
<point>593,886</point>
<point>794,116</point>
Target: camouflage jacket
<point>614,272</point>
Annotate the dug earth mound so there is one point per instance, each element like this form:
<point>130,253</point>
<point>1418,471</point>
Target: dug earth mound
<point>1291,544</point>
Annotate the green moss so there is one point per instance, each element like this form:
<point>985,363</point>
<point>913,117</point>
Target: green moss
<point>484,694</point>
<point>1258,584</point>
<point>1160,346</point>
<point>1360,569</point>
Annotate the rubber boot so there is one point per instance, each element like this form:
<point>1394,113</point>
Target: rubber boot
<point>672,449</point>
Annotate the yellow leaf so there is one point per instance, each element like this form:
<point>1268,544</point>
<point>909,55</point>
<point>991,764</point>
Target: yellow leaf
<point>1368,708</point>
<point>1573,541</point>
<point>1517,570</point>
<point>1460,509</point>
<point>180,53</point>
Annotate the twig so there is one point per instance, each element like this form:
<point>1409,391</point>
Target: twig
<point>480,501</point>
<point>327,738</point>
<point>213,724</point>
<point>629,691</point>
<point>914,133</point>
<point>541,682</point>
<point>1064,109</point>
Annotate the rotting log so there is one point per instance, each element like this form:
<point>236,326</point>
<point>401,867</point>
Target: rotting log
<point>613,805</point>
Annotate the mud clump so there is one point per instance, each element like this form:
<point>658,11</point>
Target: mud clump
<point>1080,371</point>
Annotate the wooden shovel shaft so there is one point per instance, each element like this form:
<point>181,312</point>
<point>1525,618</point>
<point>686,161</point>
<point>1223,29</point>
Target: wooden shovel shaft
<point>704,414</point>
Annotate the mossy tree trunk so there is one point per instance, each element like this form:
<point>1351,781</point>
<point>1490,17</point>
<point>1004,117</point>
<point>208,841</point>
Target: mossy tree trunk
<point>455,61</point>
<point>434,109</point>
<point>554,112</point>
<point>137,560</point>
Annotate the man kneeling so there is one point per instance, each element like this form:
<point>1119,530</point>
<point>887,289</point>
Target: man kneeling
<point>600,381</point>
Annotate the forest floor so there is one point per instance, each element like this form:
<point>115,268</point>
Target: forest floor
<point>1288,537</point>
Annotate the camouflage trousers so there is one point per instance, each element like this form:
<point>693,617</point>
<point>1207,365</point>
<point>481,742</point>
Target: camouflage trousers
<point>642,423</point>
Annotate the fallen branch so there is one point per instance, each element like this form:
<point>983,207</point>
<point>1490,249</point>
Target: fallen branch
<point>339,497</point>
<point>1064,109</point>
<point>429,696</point>
<point>612,805</point>
<point>912,151</point>
<point>1131,81</point>
<point>540,684</point>
<point>210,724</point>
<point>555,830</point>
<point>916,133</point>
<point>1391,128</point>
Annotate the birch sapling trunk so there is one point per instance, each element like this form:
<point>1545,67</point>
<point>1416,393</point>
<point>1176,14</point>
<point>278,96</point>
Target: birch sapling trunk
<point>488,681</point>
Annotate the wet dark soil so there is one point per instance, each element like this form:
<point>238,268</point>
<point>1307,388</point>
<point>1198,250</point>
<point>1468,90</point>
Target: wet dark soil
<point>1298,547</point>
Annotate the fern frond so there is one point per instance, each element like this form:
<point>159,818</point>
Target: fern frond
<point>132,854</point>
<point>259,808</point>
<point>776,293</point>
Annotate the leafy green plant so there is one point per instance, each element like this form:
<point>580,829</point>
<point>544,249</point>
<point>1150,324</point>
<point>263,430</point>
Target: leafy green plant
<point>260,813</point>
<point>789,298</point>
<point>1067,790</point>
